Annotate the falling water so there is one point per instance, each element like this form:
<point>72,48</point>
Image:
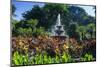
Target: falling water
<point>58,20</point>
<point>58,29</point>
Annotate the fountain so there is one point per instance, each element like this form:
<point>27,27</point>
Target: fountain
<point>58,30</point>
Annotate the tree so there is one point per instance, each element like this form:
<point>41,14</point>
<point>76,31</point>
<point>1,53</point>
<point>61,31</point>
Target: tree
<point>91,29</point>
<point>32,23</point>
<point>72,31</point>
<point>39,31</point>
<point>13,9</point>
<point>46,15</point>
<point>14,27</point>
<point>27,28</point>
<point>79,15</point>
<point>36,13</point>
<point>82,31</point>
<point>94,7</point>
<point>24,31</point>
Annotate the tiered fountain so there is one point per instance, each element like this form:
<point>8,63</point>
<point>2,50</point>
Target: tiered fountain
<point>59,30</point>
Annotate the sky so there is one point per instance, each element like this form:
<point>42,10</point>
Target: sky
<point>22,7</point>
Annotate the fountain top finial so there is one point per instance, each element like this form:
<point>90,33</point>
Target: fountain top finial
<point>58,20</point>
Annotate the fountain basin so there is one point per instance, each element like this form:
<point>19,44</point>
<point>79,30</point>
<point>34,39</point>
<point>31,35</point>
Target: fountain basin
<point>59,37</point>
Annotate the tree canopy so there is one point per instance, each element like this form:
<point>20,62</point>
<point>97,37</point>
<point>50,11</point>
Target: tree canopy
<point>45,17</point>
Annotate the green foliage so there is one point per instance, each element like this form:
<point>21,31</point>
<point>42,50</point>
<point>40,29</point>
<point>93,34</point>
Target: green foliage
<point>14,27</point>
<point>87,57</point>
<point>75,50</point>
<point>39,20</point>
<point>46,15</point>
<point>24,31</point>
<point>27,28</point>
<point>19,59</point>
<point>66,57</point>
<point>39,31</point>
<point>72,31</point>
<point>32,23</point>
<point>91,29</point>
<point>14,22</point>
<point>13,9</point>
<point>56,8</point>
<point>82,31</point>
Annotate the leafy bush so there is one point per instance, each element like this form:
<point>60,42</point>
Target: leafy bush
<point>66,58</point>
<point>75,51</point>
<point>19,59</point>
<point>87,57</point>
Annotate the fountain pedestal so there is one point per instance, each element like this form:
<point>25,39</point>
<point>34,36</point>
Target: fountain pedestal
<point>59,32</point>
<point>61,38</point>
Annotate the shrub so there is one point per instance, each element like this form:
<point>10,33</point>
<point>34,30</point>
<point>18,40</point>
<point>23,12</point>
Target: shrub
<point>87,57</point>
<point>19,59</point>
